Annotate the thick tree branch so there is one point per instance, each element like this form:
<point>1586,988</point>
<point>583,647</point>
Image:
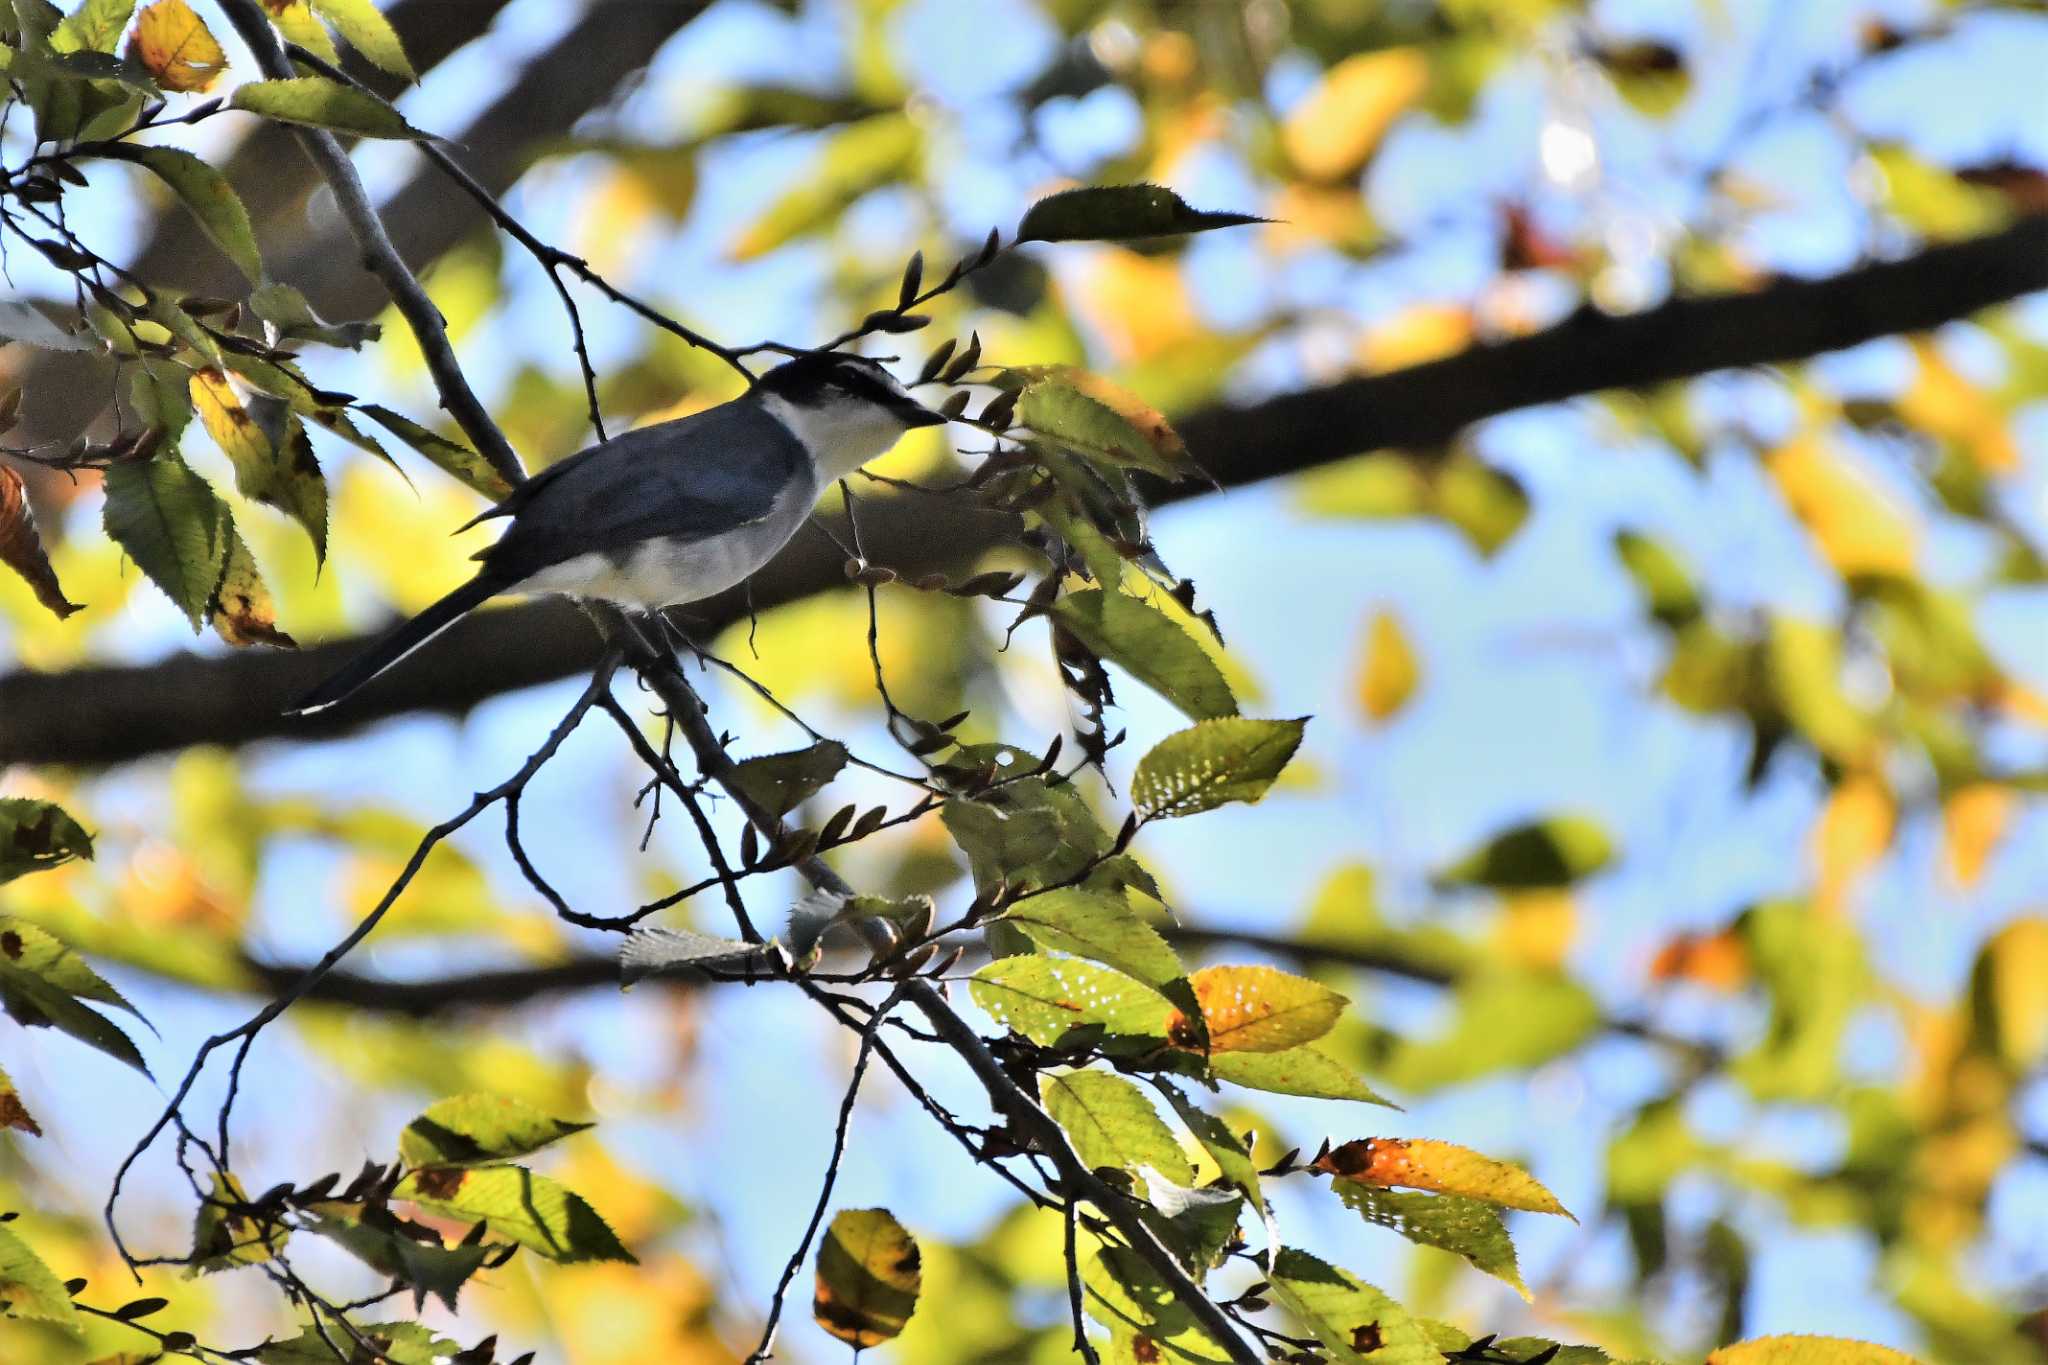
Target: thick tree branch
<point>188,699</point>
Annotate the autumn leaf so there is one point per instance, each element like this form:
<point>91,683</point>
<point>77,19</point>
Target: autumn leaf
<point>1391,671</point>
<point>1261,1009</point>
<point>21,547</point>
<point>1443,1167</point>
<point>242,611</point>
<point>868,1277</point>
<point>1807,1350</point>
<point>176,47</point>
<point>1332,132</point>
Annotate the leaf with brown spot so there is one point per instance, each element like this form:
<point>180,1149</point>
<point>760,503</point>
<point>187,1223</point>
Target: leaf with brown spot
<point>1445,1167</point>
<point>177,47</point>
<point>21,548</point>
<point>13,1113</point>
<point>868,1277</point>
<point>243,612</point>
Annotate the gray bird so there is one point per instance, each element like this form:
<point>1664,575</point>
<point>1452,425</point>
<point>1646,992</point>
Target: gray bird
<point>673,512</point>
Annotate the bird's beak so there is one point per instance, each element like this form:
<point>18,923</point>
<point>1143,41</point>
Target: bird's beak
<point>918,415</point>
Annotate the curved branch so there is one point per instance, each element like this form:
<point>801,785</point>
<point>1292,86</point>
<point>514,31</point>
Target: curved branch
<point>189,699</point>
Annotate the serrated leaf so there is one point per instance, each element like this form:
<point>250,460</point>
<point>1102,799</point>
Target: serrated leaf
<point>1263,1009</point>
<point>160,391</point>
<point>169,521</point>
<point>293,319</point>
<point>321,103</point>
<point>1442,1167</point>
<point>1542,855</point>
<point>869,1272</point>
<point>1094,418</point>
<point>451,457</point>
<point>363,26</point>
<point>203,190</point>
<point>1214,763</point>
<point>95,25</point>
<point>1119,213</point>
<point>1231,1153</point>
<point>1146,643</point>
<point>243,612</point>
<point>532,1210</point>
<point>43,982</point>
<point>466,1130</point>
<point>373,1236</point>
<point>1463,1227</point>
<point>21,546</point>
<point>35,835</point>
<point>175,46</point>
<point>1295,1071</point>
<point>782,782</point>
<point>1355,1322</point>
<point>385,1343</point>
<point>29,1288</point>
<point>1111,1123</point>
<point>224,1238</point>
<point>1104,928</point>
<point>297,22</point>
<point>1127,1296</point>
<point>1043,998</point>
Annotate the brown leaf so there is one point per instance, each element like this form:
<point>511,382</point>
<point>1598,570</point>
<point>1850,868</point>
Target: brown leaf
<point>177,47</point>
<point>21,548</point>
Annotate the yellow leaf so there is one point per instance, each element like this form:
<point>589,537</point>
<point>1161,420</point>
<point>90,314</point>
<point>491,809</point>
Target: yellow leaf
<point>1949,407</point>
<point>1537,927</point>
<point>1445,1167</point>
<point>1391,671</point>
<point>1416,336</point>
<point>869,1274</point>
<point>1337,127</point>
<point>177,47</point>
<point>1718,961</point>
<point>1854,830</point>
<point>1855,525</point>
<point>1973,820</point>
<point>1261,1009</point>
<point>1804,1350</point>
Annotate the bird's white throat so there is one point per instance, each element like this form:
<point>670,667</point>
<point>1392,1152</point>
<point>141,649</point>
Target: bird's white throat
<point>841,434</point>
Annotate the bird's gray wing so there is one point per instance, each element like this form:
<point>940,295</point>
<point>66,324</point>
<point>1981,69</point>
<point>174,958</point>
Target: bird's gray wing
<point>689,479</point>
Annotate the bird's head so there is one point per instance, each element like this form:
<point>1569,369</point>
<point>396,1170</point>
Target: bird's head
<point>846,409</point>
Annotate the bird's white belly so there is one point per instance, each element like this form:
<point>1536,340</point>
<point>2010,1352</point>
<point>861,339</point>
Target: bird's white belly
<point>668,572</point>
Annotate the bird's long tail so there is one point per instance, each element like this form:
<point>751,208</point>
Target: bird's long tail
<point>402,641</point>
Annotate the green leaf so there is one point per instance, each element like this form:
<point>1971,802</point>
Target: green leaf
<point>1145,642</point>
<point>1231,1153</point>
<point>1118,213</point>
<point>203,190</point>
<point>868,1277</point>
<point>42,982</point>
<point>373,1236</point>
<point>1503,1021</point>
<point>1127,1296</point>
<point>1669,587</point>
<point>532,1210</point>
<point>1101,927</point>
<point>1263,1009</point>
<point>95,25</point>
<point>467,1130</point>
<point>1296,1071</point>
<point>782,782</point>
<point>1096,419</point>
<point>1111,1123</point>
<point>1043,998</point>
<point>1214,763</point>
<point>224,1238</point>
<point>366,30</point>
<point>1463,1227</point>
<point>1542,855</point>
<point>451,457</point>
<point>160,391</point>
<point>35,835</point>
<point>171,524</point>
<point>321,103</point>
<point>386,1343</point>
<point>1355,1322</point>
<point>30,1289</point>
